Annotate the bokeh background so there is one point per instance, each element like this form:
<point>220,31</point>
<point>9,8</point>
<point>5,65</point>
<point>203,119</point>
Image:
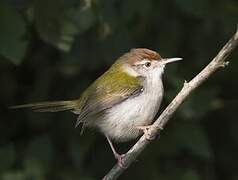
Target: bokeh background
<point>53,49</point>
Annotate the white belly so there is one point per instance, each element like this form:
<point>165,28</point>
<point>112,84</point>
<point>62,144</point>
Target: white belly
<point>122,120</point>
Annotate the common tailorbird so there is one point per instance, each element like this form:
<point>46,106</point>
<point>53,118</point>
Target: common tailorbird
<point>122,102</point>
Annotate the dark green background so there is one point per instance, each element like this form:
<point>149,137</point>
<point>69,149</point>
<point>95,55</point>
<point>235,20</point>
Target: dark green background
<point>53,49</point>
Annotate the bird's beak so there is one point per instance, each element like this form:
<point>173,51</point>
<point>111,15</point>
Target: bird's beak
<point>170,60</point>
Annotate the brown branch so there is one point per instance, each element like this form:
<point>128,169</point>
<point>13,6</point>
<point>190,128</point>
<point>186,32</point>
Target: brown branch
<point>158,125</point>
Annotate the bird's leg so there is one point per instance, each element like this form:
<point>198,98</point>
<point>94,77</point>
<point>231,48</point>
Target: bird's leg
<point>146,131</point>
<point>119,157</point>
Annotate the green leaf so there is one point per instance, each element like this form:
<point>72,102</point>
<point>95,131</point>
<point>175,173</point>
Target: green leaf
<point>12,43</point>
<point>81,19</point>
<point>58,22</point>
<point>48,17</point>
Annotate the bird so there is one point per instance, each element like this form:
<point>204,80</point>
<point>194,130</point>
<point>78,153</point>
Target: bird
<point>122,102</point>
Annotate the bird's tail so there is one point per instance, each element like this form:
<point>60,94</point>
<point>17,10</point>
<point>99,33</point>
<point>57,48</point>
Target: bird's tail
<point>51,106</point>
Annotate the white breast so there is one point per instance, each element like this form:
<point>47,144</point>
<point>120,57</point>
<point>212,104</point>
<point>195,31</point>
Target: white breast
<point>121,120</point>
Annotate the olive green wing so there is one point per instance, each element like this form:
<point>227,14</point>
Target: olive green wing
<point>110,89</point>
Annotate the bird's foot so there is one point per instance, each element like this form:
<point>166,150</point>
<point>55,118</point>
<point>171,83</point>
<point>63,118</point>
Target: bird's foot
<point>146,131</point>
<point>118,157</point>
<point>120,160</point>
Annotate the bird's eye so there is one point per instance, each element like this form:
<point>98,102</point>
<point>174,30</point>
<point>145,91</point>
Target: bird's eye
<point>147,64</point>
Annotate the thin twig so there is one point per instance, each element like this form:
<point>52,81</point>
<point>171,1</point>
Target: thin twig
<point>158,125</point>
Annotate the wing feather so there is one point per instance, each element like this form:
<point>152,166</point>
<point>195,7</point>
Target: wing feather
<point>110,89</point>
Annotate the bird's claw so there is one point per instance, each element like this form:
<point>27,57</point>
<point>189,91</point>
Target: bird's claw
<point>120,160</point>
<point>146,131</point>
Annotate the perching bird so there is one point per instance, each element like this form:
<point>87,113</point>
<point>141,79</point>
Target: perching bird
<point>122,102</point>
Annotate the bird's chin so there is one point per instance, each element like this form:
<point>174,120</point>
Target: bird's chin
<point>160,70</point>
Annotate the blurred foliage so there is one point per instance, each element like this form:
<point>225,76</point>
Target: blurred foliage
<point>53,49</point>
<point>12,32</point>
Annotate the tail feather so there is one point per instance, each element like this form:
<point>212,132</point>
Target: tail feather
<point>53,106</point>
